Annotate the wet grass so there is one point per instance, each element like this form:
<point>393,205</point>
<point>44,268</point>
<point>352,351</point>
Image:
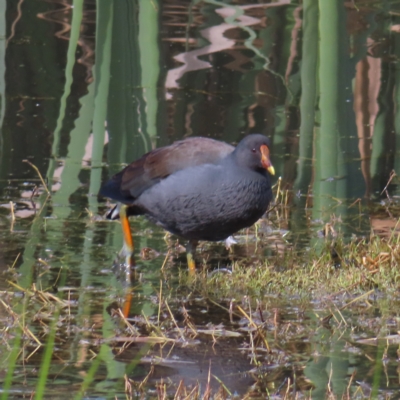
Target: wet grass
<point>354,267</point>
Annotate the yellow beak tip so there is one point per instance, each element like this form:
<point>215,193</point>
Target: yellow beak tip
<point>271,170</point>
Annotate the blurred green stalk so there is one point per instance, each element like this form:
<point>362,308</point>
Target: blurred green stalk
<point>309,69</point>
<point>71,59</point>
<point>47,358</point>
<point>149,60</point>
<point>102,79</point>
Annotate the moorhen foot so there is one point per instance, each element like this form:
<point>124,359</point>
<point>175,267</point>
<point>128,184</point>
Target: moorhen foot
<point>197,188</point>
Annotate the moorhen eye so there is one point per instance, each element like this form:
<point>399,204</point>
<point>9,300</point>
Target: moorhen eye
<point>197,188</point>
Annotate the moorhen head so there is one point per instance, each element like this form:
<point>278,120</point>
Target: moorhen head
<point>197,188</point>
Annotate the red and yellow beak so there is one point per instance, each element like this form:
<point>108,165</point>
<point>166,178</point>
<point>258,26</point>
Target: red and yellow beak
<point>265,161</point>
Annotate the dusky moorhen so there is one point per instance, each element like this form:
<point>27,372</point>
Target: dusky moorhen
<point>197,188</point>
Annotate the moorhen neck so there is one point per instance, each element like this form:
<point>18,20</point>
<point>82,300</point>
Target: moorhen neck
<point>197,188</point>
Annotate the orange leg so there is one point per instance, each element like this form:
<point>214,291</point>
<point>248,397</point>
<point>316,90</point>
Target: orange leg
<point>190,251</point>
<point>127,304</point>
<point>127,251</point>
<point>128,247</point>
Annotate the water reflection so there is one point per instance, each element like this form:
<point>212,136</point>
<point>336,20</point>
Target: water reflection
<point>86,88</point>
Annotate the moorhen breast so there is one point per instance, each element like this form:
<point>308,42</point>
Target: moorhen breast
<point>197,188</point>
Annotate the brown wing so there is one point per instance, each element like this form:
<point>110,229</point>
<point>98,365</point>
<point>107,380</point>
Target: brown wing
<point>160,163</point>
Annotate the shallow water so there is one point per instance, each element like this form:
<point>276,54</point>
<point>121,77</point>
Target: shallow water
<point>86,89</point>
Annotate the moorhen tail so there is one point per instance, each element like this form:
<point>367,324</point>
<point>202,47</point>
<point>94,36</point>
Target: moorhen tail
<point>197,188</point>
